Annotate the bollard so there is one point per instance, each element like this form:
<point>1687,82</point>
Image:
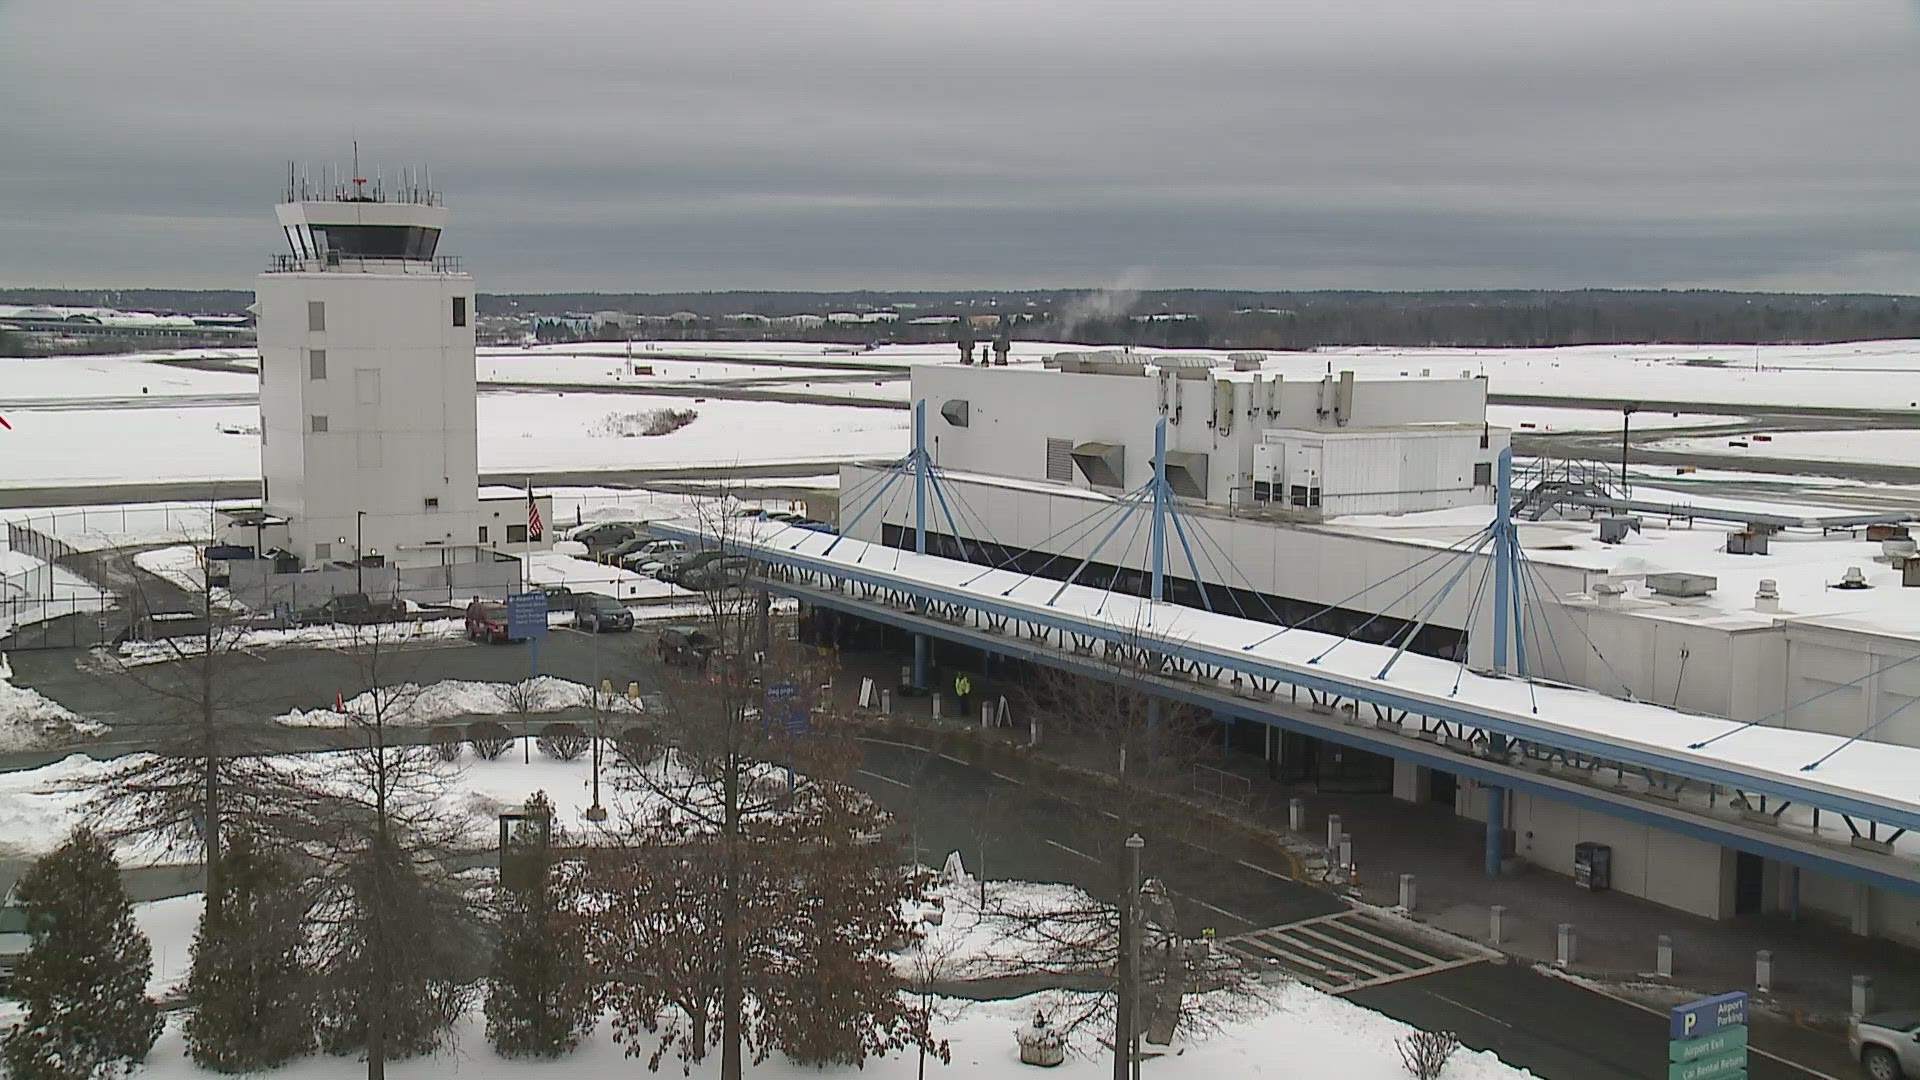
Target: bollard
<point>633,691</point>
<point>1033,732</point>
<point>1862,995</point>
<point>1333,830</point>
<point>1346,853</point>
<point>886,703</point>
<point>1296,815</point>
<point>1763,971</point>
<point>936,705</point>
<point>1406,891</point>
<point>1496,923</point>
<point>1563,953</point>
<point>986,715</point>
<point>1663,957</point>
<point>606,687</point>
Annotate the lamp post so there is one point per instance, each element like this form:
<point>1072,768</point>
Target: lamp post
<point>359,552</point>
<point>1126,1013</point>
<point>1626,421</point>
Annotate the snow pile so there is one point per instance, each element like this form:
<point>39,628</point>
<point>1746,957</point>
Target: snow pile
<point>325,636</point>
<point>628,425</point>
<point>29,720</point>
<point>1004,939</point>
<point>182,567</point>
<point>410,704</point>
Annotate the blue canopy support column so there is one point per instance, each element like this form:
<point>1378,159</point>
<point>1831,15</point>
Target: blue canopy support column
<point>920,464</point>
<point>1506,605</point>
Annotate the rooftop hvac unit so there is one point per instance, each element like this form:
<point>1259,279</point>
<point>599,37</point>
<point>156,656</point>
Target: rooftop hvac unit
<point>1103,464</point>
<point>1190,367</point>
<point>1898,548</point>
<point>1682,586</point>
<point>1910,574</point>
<point>1747,542</point>
<point>1187,473</point>
<point>1614,530</point>
<point>1247,361</point>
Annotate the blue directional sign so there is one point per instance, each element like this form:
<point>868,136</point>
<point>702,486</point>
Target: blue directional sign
<point>1699,1019</point>
<point>785,708</point>
<point>526,615</point>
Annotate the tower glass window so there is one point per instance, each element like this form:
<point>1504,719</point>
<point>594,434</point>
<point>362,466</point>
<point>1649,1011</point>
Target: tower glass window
<point>316,315</point>
<point>459,311</point>
<point>319,424</point>
<point>317,364</point>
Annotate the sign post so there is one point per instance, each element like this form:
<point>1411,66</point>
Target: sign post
<point>785,708</point>
<point>527,621</point>
<point>1707,1039</point>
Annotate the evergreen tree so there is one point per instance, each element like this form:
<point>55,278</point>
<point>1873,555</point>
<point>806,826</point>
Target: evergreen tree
<point>84,980</point>
<point>249,986</point>
<point>539,1004</point>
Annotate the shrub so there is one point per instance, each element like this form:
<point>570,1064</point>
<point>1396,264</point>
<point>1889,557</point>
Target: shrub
<point>249,984</point>
<point>563,740</point>
<point>1425,1053</point>
<point>446,740</point>
<point>637,746</point>
<point>489,738</point>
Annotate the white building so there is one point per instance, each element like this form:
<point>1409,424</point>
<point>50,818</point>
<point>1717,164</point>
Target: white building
<point>1404,470</point>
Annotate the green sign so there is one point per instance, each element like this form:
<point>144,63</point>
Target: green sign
<point>1680,1051</point>
<point>1729,1065</point>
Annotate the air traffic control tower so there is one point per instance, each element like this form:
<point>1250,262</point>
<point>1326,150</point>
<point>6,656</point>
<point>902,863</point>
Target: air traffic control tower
<point>367,377</point>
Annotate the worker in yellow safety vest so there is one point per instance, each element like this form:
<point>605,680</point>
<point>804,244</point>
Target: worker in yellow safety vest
<point>963,690</point>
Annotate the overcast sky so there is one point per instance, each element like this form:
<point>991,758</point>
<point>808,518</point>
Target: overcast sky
<point>715,144</point>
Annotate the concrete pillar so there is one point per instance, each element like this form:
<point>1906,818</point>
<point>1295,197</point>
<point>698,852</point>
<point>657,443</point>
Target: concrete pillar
<point>1496,828</point>
<point>1497,924</point>
<point>1411,782</point>
<point>1333,831</point>
<point>1862,996</point>
<point>1763,971</point>
<point>936,706</point>
<point>1296,815</point>
<point>1861,921</point>
<point>986,714</point>
<point>1564,943</point>
<point>1407,896</point>
<point>1663,957</point>
<point>920,662</point>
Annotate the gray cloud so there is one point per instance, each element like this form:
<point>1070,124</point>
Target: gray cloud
<point>889,143</point>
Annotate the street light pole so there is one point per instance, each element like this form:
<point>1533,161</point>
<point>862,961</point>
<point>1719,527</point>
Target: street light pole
<point>1126,1012</point>
<point>359,551</point>
<point>1626,422</point>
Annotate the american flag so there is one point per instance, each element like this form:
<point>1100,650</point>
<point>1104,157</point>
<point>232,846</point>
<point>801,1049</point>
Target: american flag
<point>534,526</point>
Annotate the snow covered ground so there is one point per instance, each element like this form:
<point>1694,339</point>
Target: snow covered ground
<point>412,705</point>
<point>329,636</point>
<point>59,378</point>
<point>1541,418</point>
<point>585,575</point>
<point>1900,446</point>
<point>96,528</point>
<point>29,720</point>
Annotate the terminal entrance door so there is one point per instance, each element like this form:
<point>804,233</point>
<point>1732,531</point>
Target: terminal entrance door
<point>1441,786</point>
<point>1749,876</point>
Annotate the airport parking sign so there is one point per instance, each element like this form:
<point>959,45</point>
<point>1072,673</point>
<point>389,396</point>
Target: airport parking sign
<point>526,615</point>
<point>1707,1039</point>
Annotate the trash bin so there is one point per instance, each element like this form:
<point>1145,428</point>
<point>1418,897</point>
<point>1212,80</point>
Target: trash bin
<point>1593,866</point>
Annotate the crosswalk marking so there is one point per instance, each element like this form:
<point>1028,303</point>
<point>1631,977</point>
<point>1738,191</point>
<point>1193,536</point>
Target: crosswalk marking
<point>1343,952</point>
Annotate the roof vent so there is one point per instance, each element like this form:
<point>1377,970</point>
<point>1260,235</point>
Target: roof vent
<point>1898,549</point>
<point>1247,361</point>
<point>1767,598</point>
<point>1614,530</point>
<point>1608,593</point>
<point>1747,542</point>
<point>1682,586</point>
<point>1854,578</point>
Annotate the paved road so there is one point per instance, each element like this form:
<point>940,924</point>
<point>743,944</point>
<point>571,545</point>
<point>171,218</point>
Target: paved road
<point>1013,822</point>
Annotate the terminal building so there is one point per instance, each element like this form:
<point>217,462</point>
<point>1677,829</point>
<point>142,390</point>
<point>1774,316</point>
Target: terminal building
<point>368,430</point>
<point>1313,496</point>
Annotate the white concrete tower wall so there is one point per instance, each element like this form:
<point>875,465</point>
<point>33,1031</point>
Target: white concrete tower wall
<point>367,396</point>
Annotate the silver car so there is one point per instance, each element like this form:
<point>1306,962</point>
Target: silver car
<point>1887,1045</point>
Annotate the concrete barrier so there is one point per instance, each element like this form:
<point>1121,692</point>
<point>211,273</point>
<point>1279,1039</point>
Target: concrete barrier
<point>1406,891</point>
<point>1565,946</point>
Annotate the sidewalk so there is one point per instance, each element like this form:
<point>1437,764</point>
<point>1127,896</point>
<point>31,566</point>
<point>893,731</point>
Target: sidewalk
<point>1616,934</point>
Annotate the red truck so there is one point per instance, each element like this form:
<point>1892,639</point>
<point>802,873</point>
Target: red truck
<point>487,621</point>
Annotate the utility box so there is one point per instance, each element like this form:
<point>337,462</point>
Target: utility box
<point>1593,866</point>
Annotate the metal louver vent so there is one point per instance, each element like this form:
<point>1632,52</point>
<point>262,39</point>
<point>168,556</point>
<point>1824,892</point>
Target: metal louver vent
<point>1060,460</point>
<point>1187,474</point>
<point>1103,464</point>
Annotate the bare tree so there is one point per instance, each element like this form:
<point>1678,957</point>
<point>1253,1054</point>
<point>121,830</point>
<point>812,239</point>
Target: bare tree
<point>206,763</point>
<point>751,890</point>
<point>1425,1053</point>
<point>392,923</point>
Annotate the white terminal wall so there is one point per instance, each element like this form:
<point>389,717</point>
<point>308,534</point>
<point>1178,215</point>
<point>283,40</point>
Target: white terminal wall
<point>1014,411</point>
<point>398,397</point>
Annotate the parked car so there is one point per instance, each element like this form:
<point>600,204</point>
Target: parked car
<point>14,939</point>
<point>714,573</point>
<point>674,562</point>
<point>594,612</point>
<point>487,621</point>
<point>606,534</point>
<point>559,597</point>
<point>1887,1044</point>
<point>357,609</point>
<point>651,553</point>
<point>684,646</point>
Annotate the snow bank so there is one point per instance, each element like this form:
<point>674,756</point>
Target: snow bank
<point>412,704</point>
<point>328,636</point>
<point>29,720</point>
